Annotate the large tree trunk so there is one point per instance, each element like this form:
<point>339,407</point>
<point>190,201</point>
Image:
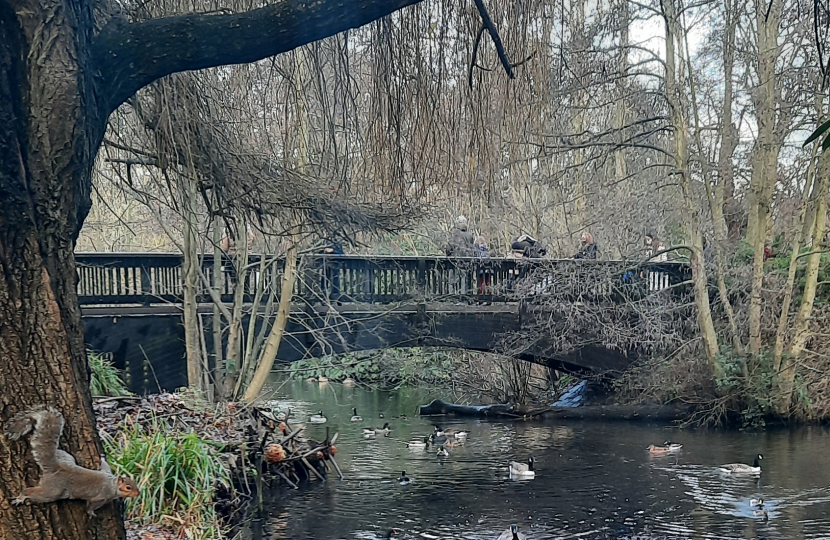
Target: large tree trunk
<point>47,134</point>
<point>765,157</point>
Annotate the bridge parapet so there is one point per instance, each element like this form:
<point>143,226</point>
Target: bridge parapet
<point>148,278</point>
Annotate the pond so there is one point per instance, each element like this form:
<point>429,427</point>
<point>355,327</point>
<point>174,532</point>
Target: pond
<point>593,479</point>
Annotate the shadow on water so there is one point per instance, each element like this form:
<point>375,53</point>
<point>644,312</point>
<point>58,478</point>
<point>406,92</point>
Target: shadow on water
<point>594,479</point>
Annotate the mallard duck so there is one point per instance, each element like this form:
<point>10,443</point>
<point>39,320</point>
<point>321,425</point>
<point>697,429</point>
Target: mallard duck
<point>460,435</point>
<point>418,445</point>
<point>755,468</point>
<point>318,418</point>
<point>403,479</point>
<point>355,417</point>
<point>757,503</point>
<point>438,436</point>
<point>523,470</point>
<point>512,534</point>
<point>377,431</point>
<point>442,452</point>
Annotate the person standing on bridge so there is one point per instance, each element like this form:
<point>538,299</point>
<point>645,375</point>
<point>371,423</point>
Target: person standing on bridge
<point>653,247</point>
<point>483,271</point>
<point>587,247</point>
<point>331,271</point>
<point>460,245</point>
<point>461,240</point>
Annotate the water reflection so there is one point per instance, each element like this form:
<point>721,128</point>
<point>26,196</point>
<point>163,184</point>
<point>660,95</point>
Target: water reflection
<point>593,480</point>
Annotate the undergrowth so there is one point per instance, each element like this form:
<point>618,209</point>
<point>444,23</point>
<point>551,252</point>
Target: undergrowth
<point>105,379</point>
<point>177,475</point>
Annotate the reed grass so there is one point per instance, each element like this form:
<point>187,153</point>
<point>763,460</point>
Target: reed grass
<point>105,379</point>
<point>177,475</point>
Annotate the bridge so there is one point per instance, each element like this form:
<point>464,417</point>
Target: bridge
<point>131,303</point>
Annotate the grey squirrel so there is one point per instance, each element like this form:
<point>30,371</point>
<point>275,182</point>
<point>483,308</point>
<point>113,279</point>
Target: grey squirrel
<point>61,477</point>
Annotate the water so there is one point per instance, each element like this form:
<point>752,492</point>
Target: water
<point>594,480</point>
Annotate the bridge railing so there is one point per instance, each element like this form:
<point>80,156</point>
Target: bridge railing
<point>146,278</point>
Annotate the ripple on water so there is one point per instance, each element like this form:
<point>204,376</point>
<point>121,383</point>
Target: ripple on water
<point>594,480</point>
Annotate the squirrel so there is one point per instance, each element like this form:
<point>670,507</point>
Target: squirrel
<point>61,477</point>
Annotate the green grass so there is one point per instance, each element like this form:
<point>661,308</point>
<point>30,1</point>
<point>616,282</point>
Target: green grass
<point>106,379</point>
<point>177,476</point>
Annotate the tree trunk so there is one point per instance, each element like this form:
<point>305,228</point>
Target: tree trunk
<point>272,346</point>
<point>674,36</point>
<point>765,158</point>
<point>190,274</point>
<point>47,136</point>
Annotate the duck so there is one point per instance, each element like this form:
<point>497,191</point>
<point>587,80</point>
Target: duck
<point>355,417</point>
<point>318,418</point>
<point>758,509</point>
<point>658,450</point>
<point>743,468</point>
<point>418,445</point>
<point>512,534</point>
<point>438,436</point>
<point>522,470</point>
<point>757,503</point>
<point>403,479</point>
<point>442,452</point>
<point>377,431</point>
<point>460,435</point>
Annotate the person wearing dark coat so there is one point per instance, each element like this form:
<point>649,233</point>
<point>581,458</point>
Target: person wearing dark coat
<point>587,247</point>
<point>461,240</point>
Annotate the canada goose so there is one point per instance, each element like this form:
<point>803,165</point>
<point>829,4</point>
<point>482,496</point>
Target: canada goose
<point>418,445</point>
<point>317,418</point>
<point>377,431</point>
<point>512,534</point>
<point>738,468</point>
<point>355,417</point>
<point>523,470</point>
<point>403,479</point>
<point>442,452</point>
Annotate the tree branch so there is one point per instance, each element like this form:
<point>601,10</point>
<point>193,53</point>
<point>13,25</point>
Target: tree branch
<point>129,56</point>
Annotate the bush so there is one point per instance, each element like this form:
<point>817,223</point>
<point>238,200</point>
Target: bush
<point>177,476</point>
<point>105,379</point>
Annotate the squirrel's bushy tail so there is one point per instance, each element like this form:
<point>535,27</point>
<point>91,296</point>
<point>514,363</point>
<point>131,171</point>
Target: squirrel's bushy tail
<point>47,424</point>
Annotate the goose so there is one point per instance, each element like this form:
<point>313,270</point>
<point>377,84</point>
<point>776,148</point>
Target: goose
<point>442,452</point>
<point>418,445</point>
<point>523,470</point>
<point>739,468</point>
<point>404,479</point>
<point>512,534</point>
<point>355,417</point>
<point>317,418</point>
<point>377,431</point>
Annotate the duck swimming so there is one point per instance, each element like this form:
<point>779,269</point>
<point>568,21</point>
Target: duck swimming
<point>512,534</point>
<point>742,468</point>
<point>442,452</point>
<point>521,470</point>
<point>418,445</point>
<point>318,418</point>
<point>371,432</point>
